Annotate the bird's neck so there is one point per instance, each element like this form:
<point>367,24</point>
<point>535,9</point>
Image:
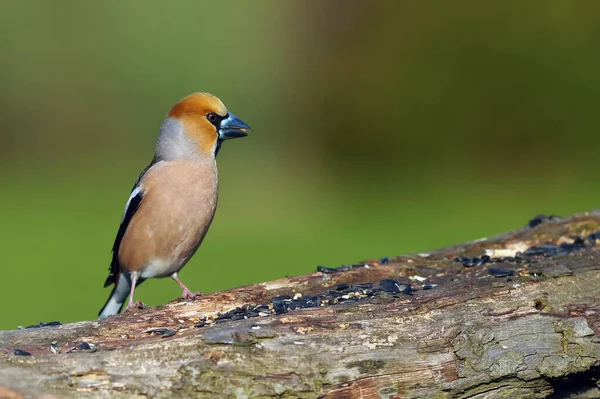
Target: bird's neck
<point>173,144</point>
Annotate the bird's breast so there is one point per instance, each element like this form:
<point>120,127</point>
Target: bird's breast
<point>180,199</point>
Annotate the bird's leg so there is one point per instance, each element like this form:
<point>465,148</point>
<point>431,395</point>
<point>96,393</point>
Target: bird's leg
<point>185,292</point>
<point>133,305</point>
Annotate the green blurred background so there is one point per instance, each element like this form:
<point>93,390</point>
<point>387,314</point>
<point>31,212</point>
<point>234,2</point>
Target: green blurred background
<point>380,128</point>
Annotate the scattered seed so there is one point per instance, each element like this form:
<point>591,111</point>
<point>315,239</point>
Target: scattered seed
<point>162,331</point>
<point>539,219</point>
<point>593,237</point>
<point>54,347</point>
<point>342,287</point>
<point>498,272</point>
<point>324,269</point>
<point>472,262</point>
<point>390,286</point>
<point>343,268</point>
<point>88,348</point>
<point>282,304</point>
<point>168,333</point>
<point>42,324</point>
<point>252,313</point>
<point>280,307</point>
<point>158,330</point>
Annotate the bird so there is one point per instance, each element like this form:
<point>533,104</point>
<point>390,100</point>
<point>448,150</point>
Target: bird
<point>173,201</point>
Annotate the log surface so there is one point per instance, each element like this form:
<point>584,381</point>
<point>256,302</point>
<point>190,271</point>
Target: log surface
<point>534,334</point>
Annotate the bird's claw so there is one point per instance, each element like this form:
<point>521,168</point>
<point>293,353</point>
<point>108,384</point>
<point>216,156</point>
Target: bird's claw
<point>187,294</point>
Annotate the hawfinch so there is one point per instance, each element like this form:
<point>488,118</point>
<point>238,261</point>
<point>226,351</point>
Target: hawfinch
<point>173,200</point>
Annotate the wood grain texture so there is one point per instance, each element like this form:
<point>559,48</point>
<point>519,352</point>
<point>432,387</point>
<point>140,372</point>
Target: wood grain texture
<point>533,335</point>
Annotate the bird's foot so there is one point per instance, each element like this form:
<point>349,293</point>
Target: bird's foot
<point>134,306</point>
<point>187,294</point>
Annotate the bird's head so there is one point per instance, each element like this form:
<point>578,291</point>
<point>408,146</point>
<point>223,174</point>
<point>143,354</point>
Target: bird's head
<point>196,126</point>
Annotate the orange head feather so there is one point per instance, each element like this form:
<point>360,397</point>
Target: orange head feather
<point>193,112</point>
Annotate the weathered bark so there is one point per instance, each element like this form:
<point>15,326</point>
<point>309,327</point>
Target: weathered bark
<point>473,335</point>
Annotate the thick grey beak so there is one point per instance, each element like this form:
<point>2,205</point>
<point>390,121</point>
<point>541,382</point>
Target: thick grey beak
<point>233,127</point>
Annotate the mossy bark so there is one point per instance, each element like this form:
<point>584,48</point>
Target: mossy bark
<point>473,335</point>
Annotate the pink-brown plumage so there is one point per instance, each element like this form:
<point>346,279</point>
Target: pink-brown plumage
<point>169,225</point>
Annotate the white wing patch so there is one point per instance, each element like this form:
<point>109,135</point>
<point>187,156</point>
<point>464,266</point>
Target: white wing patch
<point>134,193</point>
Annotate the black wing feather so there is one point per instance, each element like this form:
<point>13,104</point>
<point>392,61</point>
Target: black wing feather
<point>133,206</point>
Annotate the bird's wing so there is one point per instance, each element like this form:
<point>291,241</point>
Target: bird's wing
<point>133,203</point>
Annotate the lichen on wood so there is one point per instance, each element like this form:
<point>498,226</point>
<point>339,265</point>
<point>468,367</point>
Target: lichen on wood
<point>515,325</point>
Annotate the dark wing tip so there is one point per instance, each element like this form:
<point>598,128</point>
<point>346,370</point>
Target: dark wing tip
<point>110,280</point>
<point>132,206</point>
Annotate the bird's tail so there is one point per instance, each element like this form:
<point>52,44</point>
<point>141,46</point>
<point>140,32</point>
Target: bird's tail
<point>117,297</point>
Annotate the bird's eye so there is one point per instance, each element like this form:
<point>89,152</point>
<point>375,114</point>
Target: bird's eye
<point>213,118</point>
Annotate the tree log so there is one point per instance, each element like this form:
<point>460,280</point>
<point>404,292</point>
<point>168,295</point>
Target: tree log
<point>521,323</point>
